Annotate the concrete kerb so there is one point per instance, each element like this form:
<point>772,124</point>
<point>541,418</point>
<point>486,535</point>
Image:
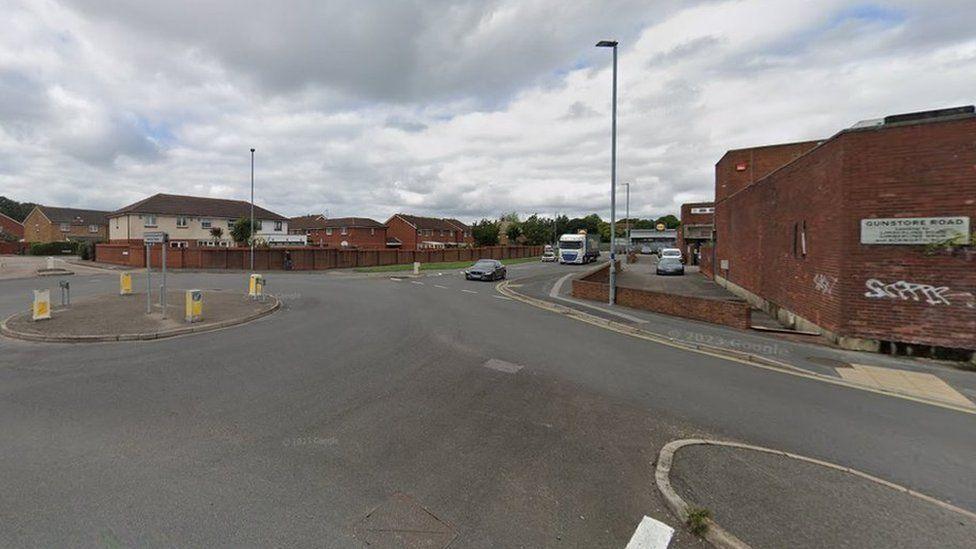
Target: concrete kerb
<point>718,536</point>
<point>143,336</point>
<point>717,352</point>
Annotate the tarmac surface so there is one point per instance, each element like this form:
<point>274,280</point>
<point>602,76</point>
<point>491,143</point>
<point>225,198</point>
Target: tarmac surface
<point>429,404</point>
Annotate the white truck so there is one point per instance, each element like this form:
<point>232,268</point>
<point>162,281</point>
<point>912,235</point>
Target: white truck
<point>578,248</point>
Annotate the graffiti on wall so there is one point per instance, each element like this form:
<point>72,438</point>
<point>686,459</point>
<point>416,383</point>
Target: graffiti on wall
<point>825,283</point>
<point>908,291</point>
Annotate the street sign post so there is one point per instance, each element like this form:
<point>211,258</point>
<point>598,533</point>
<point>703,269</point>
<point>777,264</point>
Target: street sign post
<point>150,238</point>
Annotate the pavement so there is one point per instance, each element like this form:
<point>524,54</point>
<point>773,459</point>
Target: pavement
<point>432,407</point>
<point>939,381</point>
<point>110,317</point>
<point>27,266</point>
<point>763,498</point>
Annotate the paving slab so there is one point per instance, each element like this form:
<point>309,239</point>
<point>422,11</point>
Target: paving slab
<point>768,500</point>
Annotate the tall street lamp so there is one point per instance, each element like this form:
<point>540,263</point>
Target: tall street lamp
<point>252,210</point>
<point>613,172</point>
<point>628,214</point>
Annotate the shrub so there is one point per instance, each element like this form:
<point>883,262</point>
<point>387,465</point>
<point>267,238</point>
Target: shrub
<point>698,520</point>
<point>54,248</point>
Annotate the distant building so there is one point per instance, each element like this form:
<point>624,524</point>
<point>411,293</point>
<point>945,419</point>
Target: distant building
<point>10,229</point>
<point>697,225</point>
<point>190,221</point>
<point>865,236</point>
<point>342,232</point>
<point>53,224</point>
<point>653,238</point>
<point>417,233</point>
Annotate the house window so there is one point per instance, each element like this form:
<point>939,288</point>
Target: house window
<point>230,223</point>
<point>328,232</point>
<point>343,231</point>
<point>177,244</point>
<point>182,222</point>
<point>277,226</point>
<point>116,223</point>
<point>65,227</point>
<point>206,223</point>
<point>149,221</point>
<point>93,228</point>
<point>372,232</point>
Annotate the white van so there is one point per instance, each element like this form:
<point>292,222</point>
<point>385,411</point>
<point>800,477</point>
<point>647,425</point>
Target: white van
<point>671,252</point>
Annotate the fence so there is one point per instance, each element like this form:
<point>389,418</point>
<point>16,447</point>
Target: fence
<point>303,258</point>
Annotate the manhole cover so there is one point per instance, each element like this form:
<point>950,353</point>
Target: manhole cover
<point>403,523</point>
<point>824,361</point>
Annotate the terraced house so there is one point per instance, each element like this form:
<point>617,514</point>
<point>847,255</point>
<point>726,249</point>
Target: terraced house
<point>342,232</point>
<point>417,233</point>
<point>192,221</point>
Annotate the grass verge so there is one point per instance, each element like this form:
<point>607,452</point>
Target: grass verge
<point>448,265</point>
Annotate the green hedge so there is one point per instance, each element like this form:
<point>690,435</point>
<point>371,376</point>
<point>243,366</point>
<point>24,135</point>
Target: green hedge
<point>55,248</point>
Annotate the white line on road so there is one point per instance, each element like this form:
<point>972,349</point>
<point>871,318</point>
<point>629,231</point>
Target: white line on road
<point>651,534</point>
<point>442,287</point>
<point>415,282</point>
<point>469,291</point>
<point>502,297</point>
<point>394,279</point>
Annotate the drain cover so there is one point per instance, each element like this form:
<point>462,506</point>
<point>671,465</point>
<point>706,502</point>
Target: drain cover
<point>402,522</point>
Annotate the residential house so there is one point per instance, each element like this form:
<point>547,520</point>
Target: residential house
<point>191,221</point>
<point>415,232</point>
<point>51,224</point>
<point>341,232</point>
<point>11,230</point>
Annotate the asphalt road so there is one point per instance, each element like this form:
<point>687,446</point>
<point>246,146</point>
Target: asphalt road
<point>511,425</point>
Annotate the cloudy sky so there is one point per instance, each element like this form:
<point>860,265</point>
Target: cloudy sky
<point>461,108</point>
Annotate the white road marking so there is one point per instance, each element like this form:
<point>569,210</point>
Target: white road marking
<point>415,282</point>
<point>469,291</point>
<point>502,366</point>
<point>394,279</point>
<point>442,287</point>
<point>650,534</point>
<point>502,297</point>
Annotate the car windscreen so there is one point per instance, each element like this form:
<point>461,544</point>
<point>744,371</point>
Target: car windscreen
<point>570,244</point>
<point>485,265</point>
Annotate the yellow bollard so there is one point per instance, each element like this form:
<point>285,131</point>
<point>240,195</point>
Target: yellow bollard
<point>125,283</point>
<point>42,305</point>
<point>194,305</point>
<point>256,286</point>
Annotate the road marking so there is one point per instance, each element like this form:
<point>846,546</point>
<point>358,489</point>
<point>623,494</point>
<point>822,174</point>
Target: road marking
<point>502,297</point>
<point>502,366</point>
<point>650,534</point>
<point>415,282</point>
<point>395,279</point>
<point>470,291</point>
<point>442,287</point>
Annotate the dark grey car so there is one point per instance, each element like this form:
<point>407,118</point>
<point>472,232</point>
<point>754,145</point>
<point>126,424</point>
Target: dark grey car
<point>670,266</point>
<point>486,269</point>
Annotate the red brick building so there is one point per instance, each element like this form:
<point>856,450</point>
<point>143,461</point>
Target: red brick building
<point>865,236</point>
<point>10,228</point>
<point>416,233</point>
<point>51,224</point>
<point>697,224</point>
<point>341,232</point>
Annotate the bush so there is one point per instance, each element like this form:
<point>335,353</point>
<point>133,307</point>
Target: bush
<point>698,520</point>
<point>54,248</point>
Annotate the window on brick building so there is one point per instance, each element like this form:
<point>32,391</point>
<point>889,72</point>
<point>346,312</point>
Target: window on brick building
<point>65,227</point>
<point>328,232</point>
<point>343,230</point>
<point>372,232</point>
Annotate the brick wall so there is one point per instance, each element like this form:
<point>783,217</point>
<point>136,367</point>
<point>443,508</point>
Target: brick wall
<point>11,226</point>
<point>818,200</point>
<point>740,168</point>
<point>306,258</point>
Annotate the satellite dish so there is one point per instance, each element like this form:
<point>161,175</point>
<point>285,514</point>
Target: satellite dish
<point>344,244</point>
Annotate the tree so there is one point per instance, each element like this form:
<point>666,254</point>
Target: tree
<point>216,233</point>
<point>242,230</point>
<point>511,217</point>
<point>537,230</point>
<point>17,211</point>
<point>513,232</point>
<point>670,221</point>
<point>485,233</point>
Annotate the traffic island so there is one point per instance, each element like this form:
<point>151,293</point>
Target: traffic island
<point>124,318</point>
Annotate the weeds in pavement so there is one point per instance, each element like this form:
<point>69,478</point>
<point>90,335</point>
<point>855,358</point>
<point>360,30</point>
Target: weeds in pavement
<point>698,520</point>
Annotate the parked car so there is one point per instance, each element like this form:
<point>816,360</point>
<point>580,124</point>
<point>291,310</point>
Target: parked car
<point>646,250</point>
<point>486,269</point>
<point>670,266</point>
<point>673,253</point>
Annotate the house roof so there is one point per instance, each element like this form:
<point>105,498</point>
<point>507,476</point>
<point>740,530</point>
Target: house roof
<point>458,224</point>
<point>305,222</point>
<point>174,204</point>
<point>74,216</point>
<point>434,223</point>
<point>353,222</point>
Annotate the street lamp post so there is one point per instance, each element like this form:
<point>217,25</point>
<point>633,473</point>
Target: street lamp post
<point>628,214</point>
<point>252,211</point>
<point>613,173</point>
